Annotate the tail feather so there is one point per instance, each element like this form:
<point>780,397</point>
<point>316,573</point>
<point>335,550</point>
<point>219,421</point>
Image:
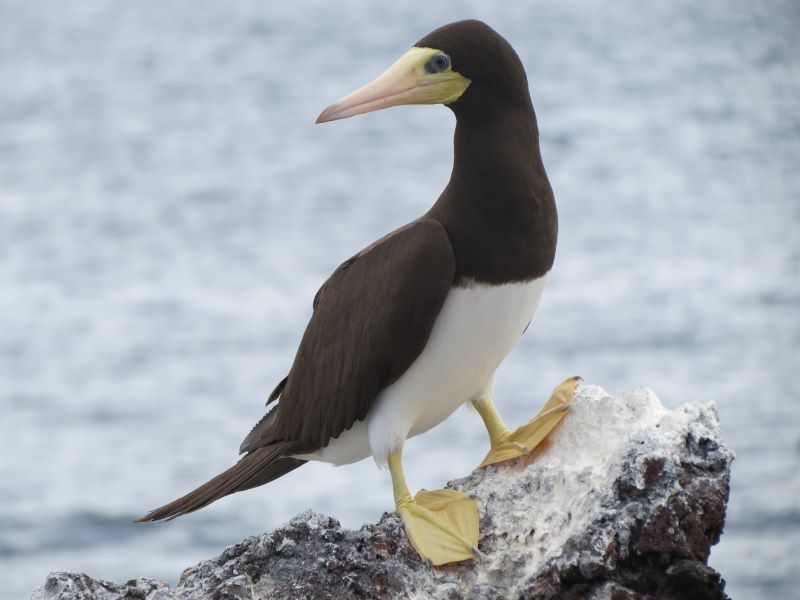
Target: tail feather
<point>257,468</point>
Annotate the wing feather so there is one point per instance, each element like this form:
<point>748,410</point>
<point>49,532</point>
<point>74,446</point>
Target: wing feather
<point>371,320</point>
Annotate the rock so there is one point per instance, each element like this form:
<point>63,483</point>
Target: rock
<point>622,502</point>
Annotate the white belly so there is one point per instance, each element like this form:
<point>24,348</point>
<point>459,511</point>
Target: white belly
<point>476,329</point>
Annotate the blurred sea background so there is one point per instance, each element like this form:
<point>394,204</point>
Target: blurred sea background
<point>168,210</point>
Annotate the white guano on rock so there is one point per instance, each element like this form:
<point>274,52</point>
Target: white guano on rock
<point>624,500</point>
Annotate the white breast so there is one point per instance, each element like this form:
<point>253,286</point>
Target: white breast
<point>476,329</point>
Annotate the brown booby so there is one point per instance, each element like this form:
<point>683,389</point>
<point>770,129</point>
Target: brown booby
<point>417,323</point>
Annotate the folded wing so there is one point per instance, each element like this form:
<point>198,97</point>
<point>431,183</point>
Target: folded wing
<point>372,318</point>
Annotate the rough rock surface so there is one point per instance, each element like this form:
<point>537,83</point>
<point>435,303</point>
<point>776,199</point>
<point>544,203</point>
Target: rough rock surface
<point>622,502</point>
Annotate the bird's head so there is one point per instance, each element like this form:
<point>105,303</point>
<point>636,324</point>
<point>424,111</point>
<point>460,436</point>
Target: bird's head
<point>448,65</point>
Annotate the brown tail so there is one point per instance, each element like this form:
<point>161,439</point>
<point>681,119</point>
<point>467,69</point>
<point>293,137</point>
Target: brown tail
<point>257,468</point>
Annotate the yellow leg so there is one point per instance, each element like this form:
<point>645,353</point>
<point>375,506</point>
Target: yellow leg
<point>442,525</point>
<point>507,445</point>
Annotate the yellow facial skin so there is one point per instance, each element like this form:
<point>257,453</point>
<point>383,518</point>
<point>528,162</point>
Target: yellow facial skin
<point>405,82</point>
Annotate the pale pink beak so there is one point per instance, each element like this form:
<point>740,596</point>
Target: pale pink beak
<point>405,82</point>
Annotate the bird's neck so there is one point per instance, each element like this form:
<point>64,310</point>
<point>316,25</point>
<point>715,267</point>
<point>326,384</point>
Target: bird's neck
<point>498,207</point>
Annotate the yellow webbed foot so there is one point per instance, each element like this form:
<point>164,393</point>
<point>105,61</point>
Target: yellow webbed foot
<point>503,451</point>
<point>506,446</point>
<point>442,525</point>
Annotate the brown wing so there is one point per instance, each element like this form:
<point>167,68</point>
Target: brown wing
<point>371,320</point>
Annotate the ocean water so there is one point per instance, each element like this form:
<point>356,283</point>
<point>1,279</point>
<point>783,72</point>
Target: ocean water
<point>168,209</point>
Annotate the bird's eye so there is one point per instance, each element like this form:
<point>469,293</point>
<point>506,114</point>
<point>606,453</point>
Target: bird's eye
<point>438,64</point>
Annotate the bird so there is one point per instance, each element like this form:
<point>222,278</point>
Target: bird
<point>416,324</point>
